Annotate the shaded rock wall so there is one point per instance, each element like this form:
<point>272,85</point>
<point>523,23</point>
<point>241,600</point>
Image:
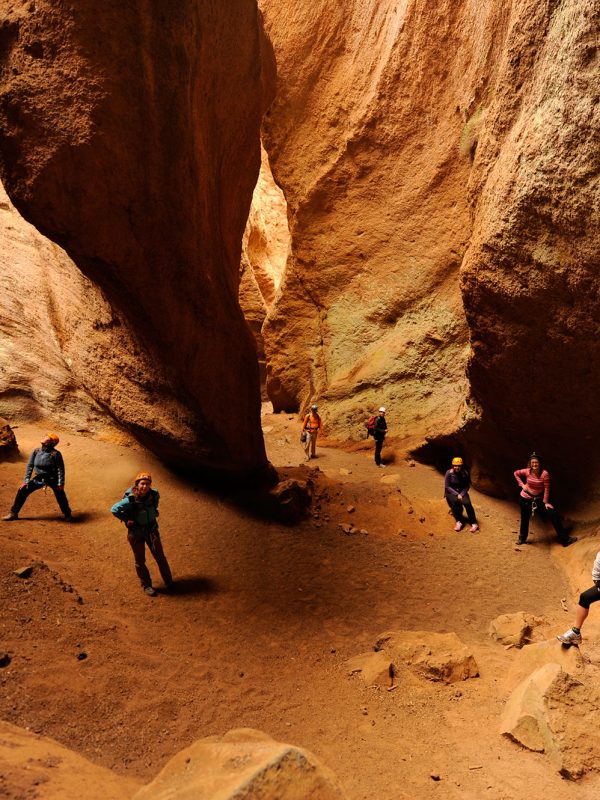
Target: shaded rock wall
<point>440,163</point>
<point>129,135</point>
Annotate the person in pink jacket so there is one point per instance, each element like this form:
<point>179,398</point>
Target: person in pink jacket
<point>534,498</point>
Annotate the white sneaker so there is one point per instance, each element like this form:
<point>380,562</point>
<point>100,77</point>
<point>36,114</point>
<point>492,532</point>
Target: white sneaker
<point>458,526</point>
<point>474,528</point>
<point>570,637</point>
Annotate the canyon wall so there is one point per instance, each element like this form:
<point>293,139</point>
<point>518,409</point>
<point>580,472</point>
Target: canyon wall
<point>67,355</point>
<point>440,164</point>
<point>129,135</point>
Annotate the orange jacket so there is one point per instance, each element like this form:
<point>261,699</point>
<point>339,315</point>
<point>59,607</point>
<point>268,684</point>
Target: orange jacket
<point>312,422</point>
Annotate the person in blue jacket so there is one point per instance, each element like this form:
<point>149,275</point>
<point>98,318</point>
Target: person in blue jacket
<point>139,511</point>
<point>49,468</point>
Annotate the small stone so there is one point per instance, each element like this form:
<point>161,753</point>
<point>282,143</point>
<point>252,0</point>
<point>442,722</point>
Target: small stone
<point>364,532</point>
<point>411,463</point>
<point>421,519</point>
<point>81,656</point>
<point>4,659</point>
<point>24,572</point>
<point>435,777</point>
<point>344,471</point>
<point>350,509</point>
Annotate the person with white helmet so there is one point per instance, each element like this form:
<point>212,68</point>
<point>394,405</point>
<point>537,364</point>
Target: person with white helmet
<point>457,483</point>
<point>379,434</point>
<point>49,467</point>
<point>586,598</point>
<point>310,431</point>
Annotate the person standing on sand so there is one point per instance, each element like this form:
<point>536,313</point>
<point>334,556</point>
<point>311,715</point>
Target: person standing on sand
<point>139,511</point>
<point>310,431</point>
<point>573,635</point>
<point>457,483</point>
<point>534,483</point>
<point>379,434</point>
<point>49,468</point>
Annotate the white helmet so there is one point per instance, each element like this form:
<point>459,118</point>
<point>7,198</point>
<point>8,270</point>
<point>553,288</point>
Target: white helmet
<point>382,409</point>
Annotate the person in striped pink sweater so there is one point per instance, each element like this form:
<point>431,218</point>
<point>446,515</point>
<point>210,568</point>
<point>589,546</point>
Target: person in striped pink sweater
<point>534,483</point>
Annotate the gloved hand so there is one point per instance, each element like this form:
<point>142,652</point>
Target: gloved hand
<point>130,523</point>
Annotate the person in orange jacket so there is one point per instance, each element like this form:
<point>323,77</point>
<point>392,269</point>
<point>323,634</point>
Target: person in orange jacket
<point>310,431</point>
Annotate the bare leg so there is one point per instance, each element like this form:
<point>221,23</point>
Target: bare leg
<point>581,616</point>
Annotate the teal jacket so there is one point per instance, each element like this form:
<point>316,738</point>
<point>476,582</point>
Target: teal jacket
<point>143,512</point>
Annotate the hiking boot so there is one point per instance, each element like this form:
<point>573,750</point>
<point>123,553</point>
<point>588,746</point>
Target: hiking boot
<point>382,466</point>
<point>570,540</point>
<point>474,527</point>
<point>570,637</point>
<point>458,527</point>
<point>149,591</point>
<point>10,517</point>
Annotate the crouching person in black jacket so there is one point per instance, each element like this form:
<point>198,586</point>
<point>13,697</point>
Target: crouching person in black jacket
<point>49,468</point>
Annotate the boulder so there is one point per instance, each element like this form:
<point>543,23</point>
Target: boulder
<point>534,656</point>
<point>514,629</point>
<point>550,712</point>
<point>435,656</point>
<point>375,668</point>
<point>8,440</point>
<point>34,766</point>
<point>243,763</point>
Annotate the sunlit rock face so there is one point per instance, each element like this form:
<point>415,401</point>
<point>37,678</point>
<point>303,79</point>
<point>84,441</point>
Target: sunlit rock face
<point>265,250</point>
<point>440,165</point>
<point>66,355</point>
<point>129,135</point>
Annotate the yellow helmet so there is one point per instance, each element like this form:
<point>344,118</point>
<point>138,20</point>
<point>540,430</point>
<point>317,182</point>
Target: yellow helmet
<point>457,462</point>
<point>54,438</point>
<point>142,476</point>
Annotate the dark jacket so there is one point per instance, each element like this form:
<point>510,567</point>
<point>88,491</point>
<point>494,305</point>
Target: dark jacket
<point>456,483</point>
<point>143,511</point>
<point>379,428</point>
<point>49,466</point>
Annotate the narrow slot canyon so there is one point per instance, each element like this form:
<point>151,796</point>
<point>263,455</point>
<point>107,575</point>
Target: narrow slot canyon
<point>215,217</point>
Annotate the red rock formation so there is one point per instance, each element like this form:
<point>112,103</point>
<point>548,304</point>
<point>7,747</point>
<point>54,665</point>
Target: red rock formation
<point>129,134</point>
<point>406,135</point>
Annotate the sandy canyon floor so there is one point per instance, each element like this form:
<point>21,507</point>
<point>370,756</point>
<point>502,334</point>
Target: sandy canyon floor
<point>265,617</point>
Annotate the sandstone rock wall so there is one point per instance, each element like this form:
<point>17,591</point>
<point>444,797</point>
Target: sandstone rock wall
<point>440,163</point>
<point>69,357</point>
<point>531,280</point>
<point>365,139</point>
<point>129,135</point>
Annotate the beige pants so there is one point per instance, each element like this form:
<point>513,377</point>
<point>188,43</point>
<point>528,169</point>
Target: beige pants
<point>310,445</point>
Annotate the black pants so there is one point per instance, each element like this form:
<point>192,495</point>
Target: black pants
<point>544,514</point>
<point>590,595</point>
<point>378,446</point>
<point>138,545</point>
<point>456,506</point>
<point>38,483</point>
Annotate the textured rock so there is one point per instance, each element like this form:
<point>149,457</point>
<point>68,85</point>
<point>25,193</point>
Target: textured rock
<point>8,441</point>
<point>68,355</point>
<point>435,656</point>
<point>364,138</point>
<point>373,668</point>
<point>552,713</point>
<point>242,764</point>
<point>535,656</point>
<point>530,275</point>
<point>129,135</point>
<point>34,766</point>
<point>427,150</point>
<point>514,629</point>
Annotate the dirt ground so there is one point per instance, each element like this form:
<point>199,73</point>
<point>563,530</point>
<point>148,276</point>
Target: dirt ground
<point>264,618</point>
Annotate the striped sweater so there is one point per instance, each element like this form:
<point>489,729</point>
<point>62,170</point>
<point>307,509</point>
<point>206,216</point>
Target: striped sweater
<point>534,486</point>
